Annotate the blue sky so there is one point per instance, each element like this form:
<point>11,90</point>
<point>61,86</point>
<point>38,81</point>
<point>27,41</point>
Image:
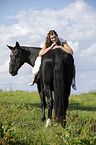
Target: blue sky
<point>28,22</point>
<point>10,7</point>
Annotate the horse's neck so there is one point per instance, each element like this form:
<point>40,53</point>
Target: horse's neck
<point>30,54</point>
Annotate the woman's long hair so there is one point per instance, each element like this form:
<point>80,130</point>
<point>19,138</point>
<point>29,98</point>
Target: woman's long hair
<point>48,40</point>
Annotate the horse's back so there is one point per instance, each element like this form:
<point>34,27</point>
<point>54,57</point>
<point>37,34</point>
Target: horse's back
<point>47,68</point>
<point>52,61</point>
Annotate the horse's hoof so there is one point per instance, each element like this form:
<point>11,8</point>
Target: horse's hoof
<point>48,123</point>
<point>43,119</point>
<point>63,124</point>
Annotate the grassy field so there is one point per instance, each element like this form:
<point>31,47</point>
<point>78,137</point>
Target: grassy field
<point>20,120</point>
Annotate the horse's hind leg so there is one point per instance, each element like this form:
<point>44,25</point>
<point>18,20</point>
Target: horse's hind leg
<point>48,94</point>
<point>63,121</point>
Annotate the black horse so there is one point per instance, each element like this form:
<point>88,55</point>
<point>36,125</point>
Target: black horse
<point>55,74</point>
<point>20,55</point>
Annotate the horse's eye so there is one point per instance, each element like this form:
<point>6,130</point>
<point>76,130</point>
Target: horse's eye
<point>15,51</point>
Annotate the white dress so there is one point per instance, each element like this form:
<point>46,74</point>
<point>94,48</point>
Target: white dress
<point>38,60</point>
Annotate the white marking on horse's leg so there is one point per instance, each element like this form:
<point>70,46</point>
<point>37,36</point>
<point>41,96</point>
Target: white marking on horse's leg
<point>48,122</point>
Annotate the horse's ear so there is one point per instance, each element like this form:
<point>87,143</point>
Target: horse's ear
<point>17,45</point>
<point>10,47</point>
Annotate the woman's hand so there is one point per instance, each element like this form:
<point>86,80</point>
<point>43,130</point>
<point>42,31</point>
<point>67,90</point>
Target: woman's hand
<point>56,47</point>
<point>53,45</point>
<point>66,49</point>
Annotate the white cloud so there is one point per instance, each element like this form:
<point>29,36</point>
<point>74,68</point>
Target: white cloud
<point>74,46</point>
<point>4,68</point>
<point>76,23</point>
<point>93,81</point>
<point>94,58</point>
<point>83,20</point>
<point>83,75</point>
<point>89,51</point>
<point>42,44</point>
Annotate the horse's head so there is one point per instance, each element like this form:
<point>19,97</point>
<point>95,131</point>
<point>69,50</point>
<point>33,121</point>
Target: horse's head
<point>16,59</point>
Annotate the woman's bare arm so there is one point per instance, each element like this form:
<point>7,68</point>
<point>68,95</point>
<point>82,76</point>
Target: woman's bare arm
<point>45,50</point>
<point>65,47</point>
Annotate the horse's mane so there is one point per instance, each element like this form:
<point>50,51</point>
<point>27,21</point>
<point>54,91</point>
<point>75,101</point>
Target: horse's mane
<point>26,47</point>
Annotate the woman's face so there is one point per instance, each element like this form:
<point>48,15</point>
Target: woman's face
<point>54,38</point>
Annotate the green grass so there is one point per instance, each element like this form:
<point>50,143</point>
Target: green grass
<point>20,120</point>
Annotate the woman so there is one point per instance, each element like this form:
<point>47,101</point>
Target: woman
<point>52,42</point>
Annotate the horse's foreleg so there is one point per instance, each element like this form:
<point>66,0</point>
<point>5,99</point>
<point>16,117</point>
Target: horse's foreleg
<point>63,121</point>
<point>43,102</point>
<point>43,106</point>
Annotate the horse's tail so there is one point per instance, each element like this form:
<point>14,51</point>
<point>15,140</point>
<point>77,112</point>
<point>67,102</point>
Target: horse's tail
<point>60,94</point>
